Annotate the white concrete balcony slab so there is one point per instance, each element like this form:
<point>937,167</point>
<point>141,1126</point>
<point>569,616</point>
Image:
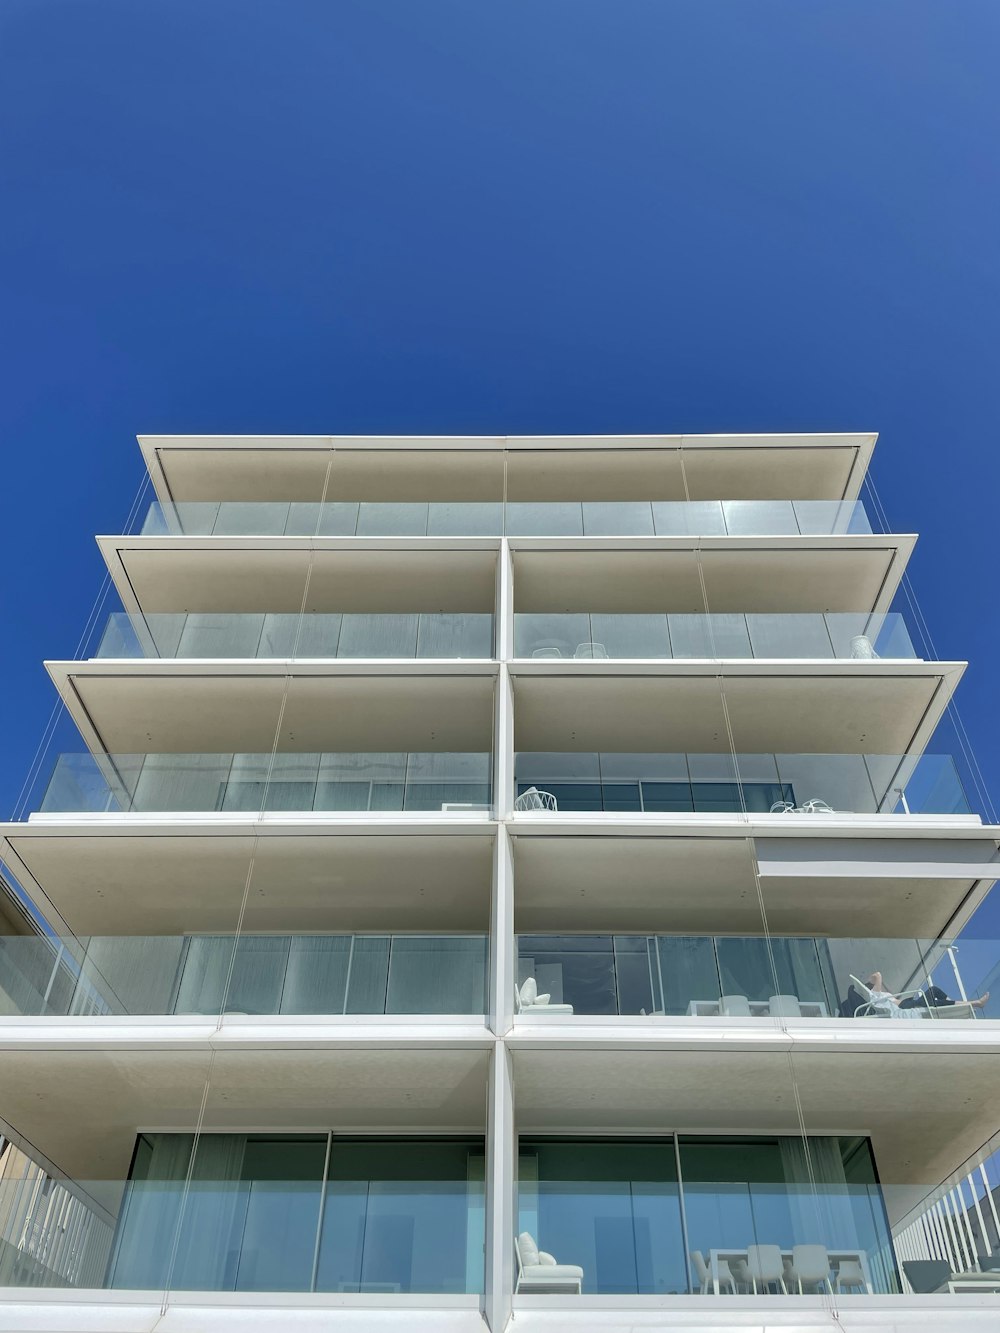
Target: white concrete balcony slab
<point>612,467</point>
<point>129,875</point>
<point>752,707</point>
<point>211,706</point>
<point>302,574</point>
<point>78,1093</point>
<point>718,875</point>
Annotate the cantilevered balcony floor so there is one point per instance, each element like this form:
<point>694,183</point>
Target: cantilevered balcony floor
<point>925,1092</point>
<point>79,1092</point>
<point>693,879</point>
<point>611,467</point>
<point>176,877</point>
<point>759,707</point>
<point>253,706</point>
<point>288,574</point>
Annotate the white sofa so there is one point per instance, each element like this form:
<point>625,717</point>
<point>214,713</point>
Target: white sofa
<point>538,1271</point>
<point>528,1001</point>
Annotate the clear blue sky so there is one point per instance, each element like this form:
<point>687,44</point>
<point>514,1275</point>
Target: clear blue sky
<point>515,216</point>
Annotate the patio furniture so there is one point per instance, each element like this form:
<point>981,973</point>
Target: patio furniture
<point>735,1006</point>
<point>527,1000</point>
<point>703,1275</point>
<point>808,1268</point>
<point>539,1271</point>
<point>885,1008</point>
<point>546,652</point>
<point>533,799</point>
<point>784,1006</point>
<point>862,648</point>
<point>926,1275</point>
<point>766,1266</point>
<point>852,1263</point>
<point>591,650</point>
<point>850,1275</point>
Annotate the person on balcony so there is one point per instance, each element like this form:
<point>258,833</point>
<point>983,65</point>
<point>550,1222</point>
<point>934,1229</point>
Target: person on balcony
<point>932,997</point>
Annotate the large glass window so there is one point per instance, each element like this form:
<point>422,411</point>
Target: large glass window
<point>394,1216</point>
<point>611,1206</point>
<point>622,1211</point>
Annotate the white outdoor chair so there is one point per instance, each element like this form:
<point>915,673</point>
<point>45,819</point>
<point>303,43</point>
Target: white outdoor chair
<point>850,1274</point>
<point>735,1006</point>
<point>784,1006</point>
<point>703,1275</point>
<point>546,652</point>
<point>814,806</point>
<point>862,647</point>
<point>782,808</point>
<point>766,1266</point>
<point>538,1271</point>
<point>533,799</point>
<point>591,650</point>
<point>873,1008</point>
<point>527,1000</point>
<point>808,1268</point>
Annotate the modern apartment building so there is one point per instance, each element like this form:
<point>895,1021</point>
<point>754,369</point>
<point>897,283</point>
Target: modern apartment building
<point>502,879</point>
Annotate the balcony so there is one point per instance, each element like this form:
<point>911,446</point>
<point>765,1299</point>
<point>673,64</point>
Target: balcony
<point>450,783</point>
<point>788,785</point>
<point>516,518</point>
<point>756,977</point>
<point>288,635</point>
<point>686,1213</point>
<point>274,1212</point>
<point>327,975</point>
<point>481,468</point>
<point>590,637</point>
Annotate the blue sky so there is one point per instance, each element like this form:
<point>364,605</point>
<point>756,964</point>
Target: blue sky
<point>516,216</point>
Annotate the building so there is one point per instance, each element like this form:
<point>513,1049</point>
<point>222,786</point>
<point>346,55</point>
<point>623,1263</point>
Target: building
<point>477,847</point>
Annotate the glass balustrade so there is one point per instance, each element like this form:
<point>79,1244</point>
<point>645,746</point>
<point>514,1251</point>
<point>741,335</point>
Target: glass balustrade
<point>251,974</point>
<point>446,782</point>
<point>763,977</point>
<point>685,1214</point>
<point>548,518</point>
<point>759,784</point>
<point>586,636</point>
<point>266,1211</point>
<point>281,635</point>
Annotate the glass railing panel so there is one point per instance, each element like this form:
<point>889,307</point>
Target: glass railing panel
<point>552,518</point>
<point>119,638</point>
<point>403,1216</point>
<point>467,518</point>
<point>693,518</point>
<point>437,975</point>
<point>550,635</point>
<point>80,783</point>
<point>824,518</point>
<point>760,977</point>
<point>772,518</point>
<point>179,782</point>
<point>251,975</point>
<point>789,635</point>
<point>290,635</point>
<point>622,518</point>
<point>208,634</point>
<point>719,635</point>
<point>435,781</point>
<point>801,784</point>
<point>460,634</point>
<point>385,635</point>
<point>385,519</point>
<point>630,636</point>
